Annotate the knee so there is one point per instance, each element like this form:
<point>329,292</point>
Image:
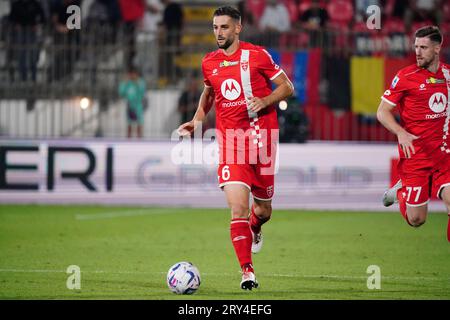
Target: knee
<point>239,211</point>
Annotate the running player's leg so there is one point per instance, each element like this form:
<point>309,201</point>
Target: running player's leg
<point>236,181</point>
<point>414,194</point>
<point>261,211</point>
<point>417,215</point>
<point>441,185</point>
<point>238,198</point>
<point>260,214</point>
<point>413,202</point>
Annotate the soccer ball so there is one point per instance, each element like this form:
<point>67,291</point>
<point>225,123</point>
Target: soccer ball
<point>183,278</point>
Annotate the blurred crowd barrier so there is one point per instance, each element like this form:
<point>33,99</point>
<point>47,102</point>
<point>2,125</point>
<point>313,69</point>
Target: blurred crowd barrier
<point>66,85</point>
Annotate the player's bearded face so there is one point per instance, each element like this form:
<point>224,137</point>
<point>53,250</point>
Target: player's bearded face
<point>426,52</point>
<point>225,31</point>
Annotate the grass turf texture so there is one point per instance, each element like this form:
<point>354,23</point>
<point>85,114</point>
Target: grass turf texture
<point>125,253</point>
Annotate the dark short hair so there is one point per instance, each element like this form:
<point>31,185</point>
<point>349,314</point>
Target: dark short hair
<point>228,11</point>
<point>431,32</point>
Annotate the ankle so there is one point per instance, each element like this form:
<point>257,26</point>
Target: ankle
<point>248,267</point>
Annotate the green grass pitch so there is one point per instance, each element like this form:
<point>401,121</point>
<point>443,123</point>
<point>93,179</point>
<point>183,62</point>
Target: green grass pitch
<point>125,253</point>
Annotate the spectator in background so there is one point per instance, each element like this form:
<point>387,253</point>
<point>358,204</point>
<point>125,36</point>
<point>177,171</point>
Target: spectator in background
<point>26,19</point>
<point>103,17</point>
<point>66,41</point>
<point>147,49</point>
<point>132,12</point>
<point>133,89</point>
<point>188,101</point>
<point>314,20</point>
<point>423,11</point>
<point>248,19</point>
<point>275,19</point>
<point>173,24</point>
<point>152,17</point>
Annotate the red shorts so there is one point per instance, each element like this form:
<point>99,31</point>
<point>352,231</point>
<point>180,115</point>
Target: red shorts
<point>422,178</point>
<point>256,177</point>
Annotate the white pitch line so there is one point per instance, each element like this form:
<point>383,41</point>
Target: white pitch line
<point>318,276</point>
<point>120,214</point>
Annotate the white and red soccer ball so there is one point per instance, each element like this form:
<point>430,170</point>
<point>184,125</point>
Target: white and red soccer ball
<point>183,278</point>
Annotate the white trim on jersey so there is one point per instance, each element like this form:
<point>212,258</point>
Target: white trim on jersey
<point>441,188</point>
<point>240,221</point>
<point>386,100</point>
<point>261,199</point>
<point>245,80</point>
<point>417,205</point>
<point>248,92</point>
<point>445,147</point>
<point>234,182</point>
<point>277,74</point>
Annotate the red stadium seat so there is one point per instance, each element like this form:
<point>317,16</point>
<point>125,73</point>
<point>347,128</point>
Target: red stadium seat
<point>445,29</point>
<point>446,11</point>
<point>389,8</point>
<point>360,27</point>
<point>393,25</point>
<point>256,7</point>
<point>418,25</point>
<point>340,11</point>
<point>303,6</point>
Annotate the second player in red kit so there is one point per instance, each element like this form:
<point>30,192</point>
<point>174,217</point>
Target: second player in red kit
<point>420,92</point>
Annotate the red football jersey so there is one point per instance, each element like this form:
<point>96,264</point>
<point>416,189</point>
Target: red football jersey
<point>235,79</point>
<point>422,98</point>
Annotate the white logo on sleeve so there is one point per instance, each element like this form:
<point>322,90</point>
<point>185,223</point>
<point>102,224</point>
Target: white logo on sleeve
<point>437,102</point>
<point>231,89</point>
<point>394,82</point>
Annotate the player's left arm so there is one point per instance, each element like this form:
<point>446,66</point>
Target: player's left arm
<point>284,89</point>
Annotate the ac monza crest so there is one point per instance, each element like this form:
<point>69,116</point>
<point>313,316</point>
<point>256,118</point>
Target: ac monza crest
<point>244,65</point>
<point>269,191</point>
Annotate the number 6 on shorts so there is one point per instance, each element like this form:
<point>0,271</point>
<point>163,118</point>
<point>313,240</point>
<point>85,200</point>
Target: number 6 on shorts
<point>226,173</point>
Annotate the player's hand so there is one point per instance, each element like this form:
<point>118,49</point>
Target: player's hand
<point>186,129</point>
<point>405,140</point>
<point>256,104</point>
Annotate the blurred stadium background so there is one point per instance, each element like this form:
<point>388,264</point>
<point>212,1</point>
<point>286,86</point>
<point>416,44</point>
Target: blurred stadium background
<point>59,88</point>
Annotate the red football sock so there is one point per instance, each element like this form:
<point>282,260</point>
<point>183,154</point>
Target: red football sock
<point>256,222</point>
<point>241,237</point>
<point>402,205</point>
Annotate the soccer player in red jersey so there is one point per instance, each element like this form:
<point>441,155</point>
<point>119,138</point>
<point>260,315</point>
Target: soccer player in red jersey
<point>238,78</point>
<point>421,94</point>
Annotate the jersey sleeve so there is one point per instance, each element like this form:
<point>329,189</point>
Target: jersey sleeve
<point>267,66</point>
<point>396,91</point>
<point>205,76</point>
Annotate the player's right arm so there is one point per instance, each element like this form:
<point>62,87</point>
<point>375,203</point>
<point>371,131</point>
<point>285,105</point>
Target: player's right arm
<point>386,117</point>
<point>205,103</point>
